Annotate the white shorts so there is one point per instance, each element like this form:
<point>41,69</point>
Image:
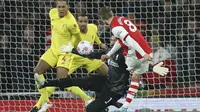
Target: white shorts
<point>137,66</point>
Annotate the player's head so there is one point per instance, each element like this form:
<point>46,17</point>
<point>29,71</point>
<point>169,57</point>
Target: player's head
<point>112,40</point>
<point>82,22</point>
<point>106,14</point>
<point>62,7</point>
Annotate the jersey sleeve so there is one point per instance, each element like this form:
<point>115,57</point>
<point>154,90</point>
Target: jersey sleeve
<point>52,12</point>
<point>73,27</point>
<point>74,42</point>
<point>123,34</point>
<point>114,49</point>
<point>119,32</point>
<point>96,38</point>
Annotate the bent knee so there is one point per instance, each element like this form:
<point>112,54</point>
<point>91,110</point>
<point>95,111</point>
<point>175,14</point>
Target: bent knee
<point>103,69</point>
<point>62,72</point>
<point>136,77</point>
<point>38,70</point>
<point>41,67</point>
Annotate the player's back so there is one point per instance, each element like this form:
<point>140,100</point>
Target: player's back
<point>123,26</point>
<point>90,34</point>
<point>62,29</point>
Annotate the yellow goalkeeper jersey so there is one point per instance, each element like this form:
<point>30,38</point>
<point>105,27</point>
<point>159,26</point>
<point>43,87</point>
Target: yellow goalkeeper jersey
<point>91,34</point>
<point>62,29</point>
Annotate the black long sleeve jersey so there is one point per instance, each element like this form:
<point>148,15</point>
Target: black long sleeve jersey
<point>118,77</point>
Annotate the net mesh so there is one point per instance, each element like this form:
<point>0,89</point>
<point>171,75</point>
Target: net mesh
<point>172,28</point>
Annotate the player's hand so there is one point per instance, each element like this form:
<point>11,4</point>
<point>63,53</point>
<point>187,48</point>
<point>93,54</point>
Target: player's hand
<point>147,57</point>
<point>104,46</point>
<point>122,109</point>
<point>104,57</point>
<point>160,70</point>
<point>66,48</point>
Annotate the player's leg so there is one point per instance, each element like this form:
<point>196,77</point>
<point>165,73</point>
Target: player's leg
<point>95,83</point>
<point>47,61</point>
<point>63,66</point>
<point>103,69</point>
<point>73,89</point>
<point>41,67</point>
<point>105,99</point>
<point>92,82</point>
<point>63,73</point>
<point>61,70</point>
<point>73,63</point>
<point>136,68</point>
<point>96,65</point>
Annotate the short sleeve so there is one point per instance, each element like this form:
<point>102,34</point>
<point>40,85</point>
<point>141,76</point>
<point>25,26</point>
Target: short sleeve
<point>73,27</point>
<point>96,28</point>
<point>97,40</point>
<point>52,12</point>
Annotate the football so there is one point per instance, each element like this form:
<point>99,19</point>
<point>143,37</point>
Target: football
<point>85,48</point>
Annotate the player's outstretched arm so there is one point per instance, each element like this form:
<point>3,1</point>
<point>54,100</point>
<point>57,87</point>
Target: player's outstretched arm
<point>114,49</point>
<point>77,39</point>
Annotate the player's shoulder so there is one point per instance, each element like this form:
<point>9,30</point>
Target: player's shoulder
<point>70,15</point>
<point>118,20</point>
<point>92,27</point>
<point>53,11</point>
<point>70,18</point>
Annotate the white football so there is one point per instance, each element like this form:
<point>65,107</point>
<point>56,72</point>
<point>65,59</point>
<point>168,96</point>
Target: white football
<point>85,48</point>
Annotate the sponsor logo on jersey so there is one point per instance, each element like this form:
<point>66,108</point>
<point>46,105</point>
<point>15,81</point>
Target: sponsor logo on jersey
<point>106,102</point>
<point>75,25</point>
<point>112,63</point>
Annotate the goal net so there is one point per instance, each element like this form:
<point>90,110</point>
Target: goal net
<point>172,28</point>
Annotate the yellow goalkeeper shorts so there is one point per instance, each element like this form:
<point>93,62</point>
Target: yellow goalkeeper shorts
<point>78,61</point>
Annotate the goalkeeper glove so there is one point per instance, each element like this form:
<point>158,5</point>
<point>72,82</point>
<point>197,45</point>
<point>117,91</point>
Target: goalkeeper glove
<point>122,109</point>
<point>160,70</point>
<point>66,48</point>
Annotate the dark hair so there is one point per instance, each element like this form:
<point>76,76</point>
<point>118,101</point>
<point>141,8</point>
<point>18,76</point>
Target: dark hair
<point>105,13</point>
<point>82,14</point>
<point>62,0</point>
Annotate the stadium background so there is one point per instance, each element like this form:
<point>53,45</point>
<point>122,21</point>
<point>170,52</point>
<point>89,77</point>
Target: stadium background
<point>25,33</point>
